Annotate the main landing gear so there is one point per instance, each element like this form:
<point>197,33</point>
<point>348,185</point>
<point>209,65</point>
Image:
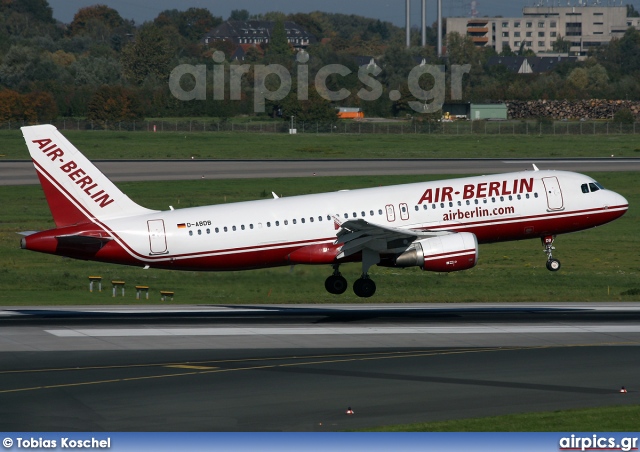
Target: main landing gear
<point>336,284</point>
<point>552,264</point>
<point>363,287</point>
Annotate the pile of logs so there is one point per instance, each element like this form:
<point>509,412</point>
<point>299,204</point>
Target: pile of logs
<point>566,109</point>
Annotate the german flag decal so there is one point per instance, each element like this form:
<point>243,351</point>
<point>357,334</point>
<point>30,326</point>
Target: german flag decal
<point>182,226</point>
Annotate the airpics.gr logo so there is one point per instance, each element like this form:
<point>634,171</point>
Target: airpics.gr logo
<point>427,101</point>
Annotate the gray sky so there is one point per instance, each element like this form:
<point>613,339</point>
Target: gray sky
<point>390,10</point>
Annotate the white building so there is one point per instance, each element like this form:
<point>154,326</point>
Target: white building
<point>585,27</point>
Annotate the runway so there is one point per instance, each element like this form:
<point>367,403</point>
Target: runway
<point>23,173</point>
<point>298,368</point>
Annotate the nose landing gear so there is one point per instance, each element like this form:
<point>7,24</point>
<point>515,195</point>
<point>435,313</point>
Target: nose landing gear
<point>552,264</point>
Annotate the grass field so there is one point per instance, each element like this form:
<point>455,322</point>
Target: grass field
<point>607,419</point>
<point>601,264</point>
<point>228,145</point>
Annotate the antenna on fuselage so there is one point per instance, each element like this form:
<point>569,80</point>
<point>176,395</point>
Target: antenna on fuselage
<point>535,168</point>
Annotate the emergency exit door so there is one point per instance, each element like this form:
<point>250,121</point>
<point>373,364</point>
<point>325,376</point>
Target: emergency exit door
<point>157,237</point>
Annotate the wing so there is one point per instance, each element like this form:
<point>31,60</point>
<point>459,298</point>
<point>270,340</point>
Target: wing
<point>357,235</point>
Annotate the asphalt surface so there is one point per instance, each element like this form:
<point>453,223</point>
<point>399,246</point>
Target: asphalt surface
<point>284,368</point>
<point>23,173</point>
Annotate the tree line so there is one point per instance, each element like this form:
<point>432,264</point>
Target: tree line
<point>104,67</point>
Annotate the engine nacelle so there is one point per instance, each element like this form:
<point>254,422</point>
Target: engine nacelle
<point>447,253</point>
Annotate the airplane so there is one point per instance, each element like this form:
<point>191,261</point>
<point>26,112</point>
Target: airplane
<point>435,226</point>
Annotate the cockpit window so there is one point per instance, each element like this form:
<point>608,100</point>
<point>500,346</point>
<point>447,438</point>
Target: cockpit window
<point>591,187</point>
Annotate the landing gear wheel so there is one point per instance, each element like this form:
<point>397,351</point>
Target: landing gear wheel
<point>553,265</point>
<point>336,284</point>
<point>364,287</point>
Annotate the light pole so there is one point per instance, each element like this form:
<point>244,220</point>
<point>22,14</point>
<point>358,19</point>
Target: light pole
<point>292,123</point>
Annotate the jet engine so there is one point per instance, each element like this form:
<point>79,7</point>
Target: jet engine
<point>446,253</point>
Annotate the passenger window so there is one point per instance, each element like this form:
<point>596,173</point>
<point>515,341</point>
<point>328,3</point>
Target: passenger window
<point>277,223</point>
<point>476,201</point>
<point>442,205</point>
<point>417,208</point>
<point>225,229</point>
<point>535,195</point>
<point>501,198</point>
<point>199,232</point>
<point>190,232</point>
<point>364,214</point>
<point>371,213</point>
<point>250,226</point>
<point>319,218</point>
<point>217,230</point>
<point>302,220</point>
<point>208,231</point>
<point>379,211</point>
<point>593,187</point>
<point>424,207</point>
<point>234,228</point>
<point>286,222</point>
<point>493,199</point>
<point>268,224</point>
<point>527,196</point>
<point>484,200</point>
<point>450,204</point>
<point>459,203</point>
<point>311,219</point>
<point>468,202</point>
<point>519,197</point>
<point>355,215</point>
<point>242,227</point>
<point>295,221</point>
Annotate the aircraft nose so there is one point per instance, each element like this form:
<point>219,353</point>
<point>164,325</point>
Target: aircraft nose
<point>618,202</point>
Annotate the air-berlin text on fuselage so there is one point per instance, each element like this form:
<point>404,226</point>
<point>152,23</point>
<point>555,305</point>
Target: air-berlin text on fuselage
<point>480,190</point>
<point>75,173</point>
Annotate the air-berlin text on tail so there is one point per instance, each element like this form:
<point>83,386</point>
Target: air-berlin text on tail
<point>76,174</point>
<point>480,190</point>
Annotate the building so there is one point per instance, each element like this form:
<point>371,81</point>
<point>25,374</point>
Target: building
<point>474,112</point>
<point>529,65</point>
<point>584,27</point>
<point>258,32</point>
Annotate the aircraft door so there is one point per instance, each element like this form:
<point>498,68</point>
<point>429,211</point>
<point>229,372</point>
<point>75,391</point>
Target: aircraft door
<point>555,200</point>
<point>391,213</point>
<point>157,237</point>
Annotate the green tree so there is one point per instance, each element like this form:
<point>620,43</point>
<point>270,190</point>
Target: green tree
<point>579,79</point>
<point>90,16</point>
<point>114,103</point>
<point>561,46</point>
<point>506,51</point>
<point>239,14</point>
<point>315,109</point>
<point>624,116</point>
<point>279,44</point>
<point>150,54</point>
